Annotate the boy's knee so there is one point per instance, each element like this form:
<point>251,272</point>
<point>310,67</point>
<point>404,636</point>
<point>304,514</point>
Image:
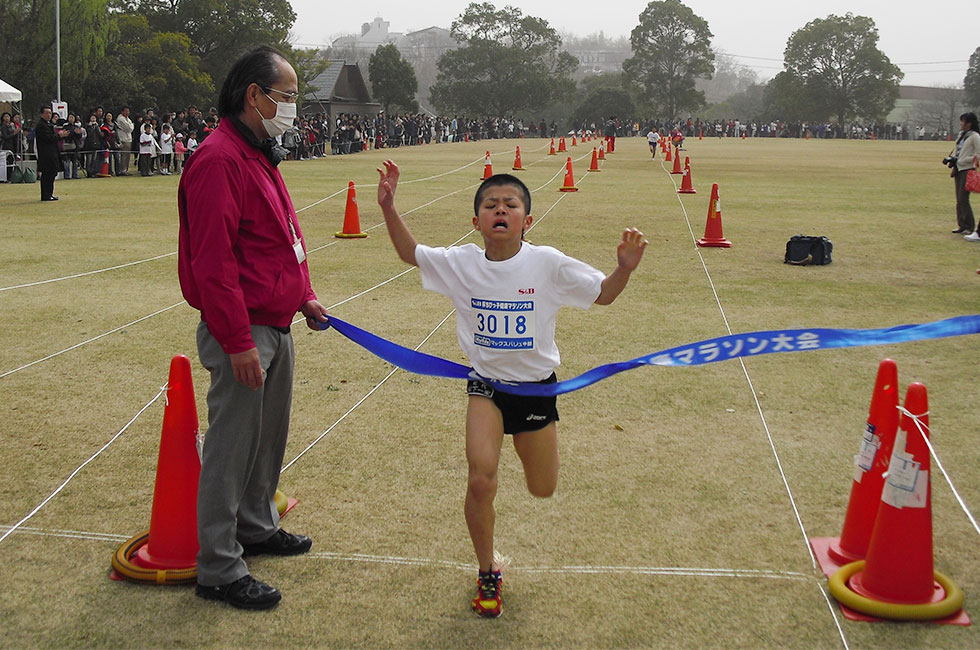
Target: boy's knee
<point>542,489</point>
<point>482,486</point>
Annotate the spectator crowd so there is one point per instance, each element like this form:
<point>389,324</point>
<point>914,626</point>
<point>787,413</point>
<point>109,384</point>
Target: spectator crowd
<point>100,143</point>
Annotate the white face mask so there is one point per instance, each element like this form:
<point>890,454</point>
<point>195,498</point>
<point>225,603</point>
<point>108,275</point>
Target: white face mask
<point>282,120</point>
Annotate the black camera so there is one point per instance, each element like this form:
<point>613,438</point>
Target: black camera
<point>950,161</point>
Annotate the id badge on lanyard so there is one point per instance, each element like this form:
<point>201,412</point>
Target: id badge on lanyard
<point>300,253</point>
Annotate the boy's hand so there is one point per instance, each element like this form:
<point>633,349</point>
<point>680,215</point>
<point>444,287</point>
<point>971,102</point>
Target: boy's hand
<point>387,184</point>
<point>630,250</point>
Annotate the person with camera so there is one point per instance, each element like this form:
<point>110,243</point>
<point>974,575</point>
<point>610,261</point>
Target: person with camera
<point>961,161</point>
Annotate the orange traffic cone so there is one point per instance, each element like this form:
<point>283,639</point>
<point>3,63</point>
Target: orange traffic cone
<point>744,135</point>
<point>517,160</point>
<point>561,145</point>
<point>602,151</point>
<point>808,134</point>
<point>466,136</point>
<point>352,221</point>
<point>569,185</point>
<point>612,144</point>
<point>712,228</point>
<point>669,157</point>
<point>687,183</point>
<point>897,580</point>
<point>104,172</point>
<point>870,465</point>
<point>574,143</point>
<point>487,167</point>
<point>167,553</point>
<point>552,152</point>
<point>677,163</point>
<point>594,167</point>
<point>700,134</point>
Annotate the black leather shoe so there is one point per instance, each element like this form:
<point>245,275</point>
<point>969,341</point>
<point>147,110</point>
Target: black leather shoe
<point>244,593</point>
<point>281,543</point>
<point>960,231</point>
<point>50,198</point>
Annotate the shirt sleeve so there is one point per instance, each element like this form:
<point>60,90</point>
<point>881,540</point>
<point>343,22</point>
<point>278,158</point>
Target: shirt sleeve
<point>576,283</point>
<point>435,268</point>
<point>213,216</point>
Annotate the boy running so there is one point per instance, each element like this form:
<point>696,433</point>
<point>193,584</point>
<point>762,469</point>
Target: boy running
<point>506,297</point>
<point>653,139</point>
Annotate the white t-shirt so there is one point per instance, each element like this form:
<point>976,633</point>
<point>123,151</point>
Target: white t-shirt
<point>653,137</point>
<point>505,311</point>
<point>146,143</point>
<point>167,142</point>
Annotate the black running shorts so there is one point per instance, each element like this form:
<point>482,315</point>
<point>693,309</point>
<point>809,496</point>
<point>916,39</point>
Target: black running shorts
<point>520,412</point>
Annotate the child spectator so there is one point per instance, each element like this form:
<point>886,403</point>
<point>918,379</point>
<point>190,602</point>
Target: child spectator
<point>506,297</point>
<point>166,148</point>
<point>147,142</point>
<point>179,150</point>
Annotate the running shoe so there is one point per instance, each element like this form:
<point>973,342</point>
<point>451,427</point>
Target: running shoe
<point>488,601</point>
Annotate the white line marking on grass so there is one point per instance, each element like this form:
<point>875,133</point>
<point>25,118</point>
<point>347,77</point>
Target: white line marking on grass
<point>79,275</point>
<point>94,338</point>
<point>79,468</point>
<point>582,569</point>
<point>69,534</point>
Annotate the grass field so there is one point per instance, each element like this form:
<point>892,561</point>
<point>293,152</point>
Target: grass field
<point>671,526</point>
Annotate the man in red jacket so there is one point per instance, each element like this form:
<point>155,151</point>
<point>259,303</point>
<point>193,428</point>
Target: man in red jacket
<point>242,263</point>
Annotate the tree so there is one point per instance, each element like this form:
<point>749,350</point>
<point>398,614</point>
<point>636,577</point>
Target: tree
<point>508,63</point>
<point>392,79</point>
<point>971,82</point>
<point>838,61</point>
<point>671,48</point>
<point>27,46</point>
<point>308,64</point>
<point>942,113</point>
<point>222,30</point>
<point>146,69</point>
<point>789,99</point>
<point>603,95</point>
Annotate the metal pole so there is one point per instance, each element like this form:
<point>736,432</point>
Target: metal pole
<point>57,44</point>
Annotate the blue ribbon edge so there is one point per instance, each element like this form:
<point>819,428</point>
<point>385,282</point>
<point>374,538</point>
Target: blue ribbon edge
<point>427,364</point>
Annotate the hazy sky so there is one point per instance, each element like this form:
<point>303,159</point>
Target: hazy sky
<point>927,40</point>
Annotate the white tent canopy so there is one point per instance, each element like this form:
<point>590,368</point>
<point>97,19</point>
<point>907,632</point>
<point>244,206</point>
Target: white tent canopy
<point>8,93</point>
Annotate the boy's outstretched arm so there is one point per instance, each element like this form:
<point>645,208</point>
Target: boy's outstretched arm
<point>401,236</point>
<point>628,255</point>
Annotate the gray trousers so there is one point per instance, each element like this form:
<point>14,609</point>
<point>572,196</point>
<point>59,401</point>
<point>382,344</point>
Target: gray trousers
<point>243,453</point>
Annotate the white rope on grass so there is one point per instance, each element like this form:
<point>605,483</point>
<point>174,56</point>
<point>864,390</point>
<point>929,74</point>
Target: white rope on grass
<point>61,487</point>
<point>755,397</point>
<point>932,451</point>
<point>758,405</point>
<point>79,275</point>
<point>362,400</point>
<point>94,338</point>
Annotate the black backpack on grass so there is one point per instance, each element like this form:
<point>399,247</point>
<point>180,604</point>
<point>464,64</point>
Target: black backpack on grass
<point>806,251</point>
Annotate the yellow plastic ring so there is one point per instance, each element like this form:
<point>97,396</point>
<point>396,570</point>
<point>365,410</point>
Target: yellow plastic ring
<point>122,563</point>
<point>952,603</point>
